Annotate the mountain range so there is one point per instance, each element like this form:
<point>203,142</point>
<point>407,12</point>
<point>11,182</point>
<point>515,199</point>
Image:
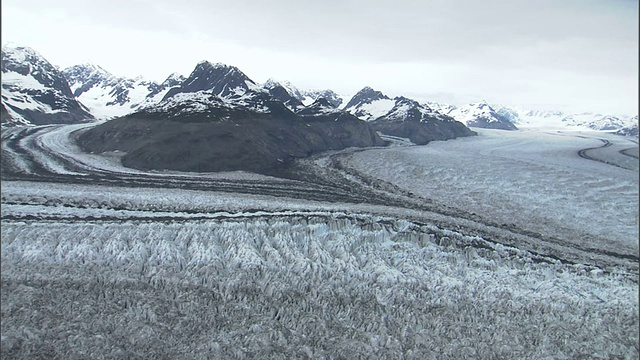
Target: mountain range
<point>104,95</point>
<point>217,118</point>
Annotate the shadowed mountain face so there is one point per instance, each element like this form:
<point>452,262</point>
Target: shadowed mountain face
<point>207,134</point>
<point>423,132</point>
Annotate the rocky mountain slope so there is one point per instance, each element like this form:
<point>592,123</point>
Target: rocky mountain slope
<point>34,92</point>
<point>219,120</point>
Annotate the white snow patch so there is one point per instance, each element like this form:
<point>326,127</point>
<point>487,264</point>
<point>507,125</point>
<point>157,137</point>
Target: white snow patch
<point>14,79</point>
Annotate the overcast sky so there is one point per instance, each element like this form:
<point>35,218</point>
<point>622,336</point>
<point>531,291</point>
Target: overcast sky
<point>568,55</point>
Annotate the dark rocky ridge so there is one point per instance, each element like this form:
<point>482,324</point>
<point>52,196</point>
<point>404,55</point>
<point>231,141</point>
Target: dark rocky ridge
<point>225,138</point>
<point>281,94</point>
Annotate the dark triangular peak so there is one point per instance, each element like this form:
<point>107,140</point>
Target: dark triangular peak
<point>279,93</point>
<point>365,96</point>
<point>221,79</point>
<point>322,103</point>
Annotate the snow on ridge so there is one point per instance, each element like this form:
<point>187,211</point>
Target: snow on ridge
<point>306,97</point>
<point>375,109</point>
<point>14,79</point>
<point>20,53</point>
<point>21,101</point>
<point>553,119</point>
<point>195,102</point>
<point>474,111</point>
<point>204,100</point>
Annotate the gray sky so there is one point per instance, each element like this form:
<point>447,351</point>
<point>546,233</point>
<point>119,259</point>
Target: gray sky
<point>572,55</point>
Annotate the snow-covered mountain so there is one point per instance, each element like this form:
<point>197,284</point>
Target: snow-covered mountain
<point>631,129</point>
<point>320,107</point>
<point>306,97</point>
<point>107,95</point>
<point>548,119</point>
<point>481,115</point>
<point>34,92</point>
<point>403,117</point>
<point>369,104</point>
<point>405,109</point>
<point>331,96</point>
<point>221,79</point>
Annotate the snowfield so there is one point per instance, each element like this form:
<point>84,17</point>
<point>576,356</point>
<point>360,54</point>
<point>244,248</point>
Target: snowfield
<point>515,244</point>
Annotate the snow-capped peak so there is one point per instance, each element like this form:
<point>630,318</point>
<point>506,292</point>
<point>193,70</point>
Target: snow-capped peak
<point>173,80</point>
<point>272,83</point>
<point>222,79</point>
<point>364,96</point>
<point>18,53</point>
<point>36,92</point>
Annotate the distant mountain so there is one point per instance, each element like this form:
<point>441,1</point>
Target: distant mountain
<point>329,95</point>
<point>230,126</point>
<point>630,129</point>
<point>108,96</point>
<point>563,120</point>
<point>305,97</point>
<point>34,92</point>
<point>403,117</point>
<point>289,96</point>
<point>440,107</point>
<point>482,115</point>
